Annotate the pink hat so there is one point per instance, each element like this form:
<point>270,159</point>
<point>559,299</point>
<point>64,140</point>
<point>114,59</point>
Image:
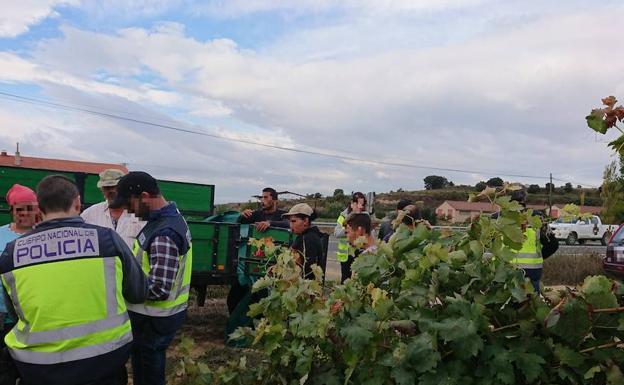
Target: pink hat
<point>20,194</point>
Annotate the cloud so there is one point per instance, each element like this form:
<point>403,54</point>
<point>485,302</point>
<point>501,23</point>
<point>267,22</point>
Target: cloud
<point>500,100</point>
<point>18,16</point>
<point>238,8</point>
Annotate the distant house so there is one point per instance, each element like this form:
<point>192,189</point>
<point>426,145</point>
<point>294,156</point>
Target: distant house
<point>558,209</point>
<point>462,211</point>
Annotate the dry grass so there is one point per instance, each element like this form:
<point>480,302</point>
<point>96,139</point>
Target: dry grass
<point>571,269</point>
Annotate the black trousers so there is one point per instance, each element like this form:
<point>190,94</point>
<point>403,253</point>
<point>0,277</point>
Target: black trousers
<point>345,269</point>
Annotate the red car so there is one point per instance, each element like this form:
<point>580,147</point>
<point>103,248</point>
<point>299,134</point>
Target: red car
<point>613,262</point>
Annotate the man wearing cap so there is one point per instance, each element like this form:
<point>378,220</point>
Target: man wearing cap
<point>67,281</point>
<point>125,224</point>
<point>307,244</point>
<point>163,247</point>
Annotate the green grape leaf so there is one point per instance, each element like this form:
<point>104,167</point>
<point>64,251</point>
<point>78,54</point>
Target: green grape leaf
<point>597,291</point>
<point>403,376</point>
<point>592,372</point>
<point>568,356</point>
<point>574,322</point>
<point>530,365</point>
<point>595,121</point>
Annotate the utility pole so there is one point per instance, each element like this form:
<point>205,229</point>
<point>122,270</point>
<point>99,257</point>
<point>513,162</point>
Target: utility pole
<point>550,186</point>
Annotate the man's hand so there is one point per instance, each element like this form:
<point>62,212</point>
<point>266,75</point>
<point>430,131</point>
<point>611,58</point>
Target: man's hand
<point>247,213</point>
<point>262,226</point>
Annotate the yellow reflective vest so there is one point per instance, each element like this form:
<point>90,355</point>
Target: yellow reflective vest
<point>65,284</point>
<point>529,256</point>
<point>342,252</point>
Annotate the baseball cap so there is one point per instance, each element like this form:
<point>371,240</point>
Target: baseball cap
<point>133,184</point>
<point>110,177</point>
<point>299,209</point>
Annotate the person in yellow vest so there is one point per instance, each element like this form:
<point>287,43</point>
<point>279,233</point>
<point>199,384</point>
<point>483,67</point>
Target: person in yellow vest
<point>345,254</point>
<point>163,247</point>
<point>538,245</point>
<point>67,281</point>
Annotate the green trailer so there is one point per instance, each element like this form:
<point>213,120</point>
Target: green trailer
<point>221,252</point>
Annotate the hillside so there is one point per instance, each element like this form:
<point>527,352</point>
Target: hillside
<point>331,206</point>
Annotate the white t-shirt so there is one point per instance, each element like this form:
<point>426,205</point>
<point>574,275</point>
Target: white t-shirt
<point>128,226</point>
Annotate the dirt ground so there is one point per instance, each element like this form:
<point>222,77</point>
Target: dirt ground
<point>206,327</point>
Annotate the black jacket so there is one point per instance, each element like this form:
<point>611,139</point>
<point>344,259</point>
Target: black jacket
<point>310,246</point>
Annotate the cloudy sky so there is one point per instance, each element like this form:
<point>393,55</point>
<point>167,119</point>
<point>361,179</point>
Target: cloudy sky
<point>494,88</point>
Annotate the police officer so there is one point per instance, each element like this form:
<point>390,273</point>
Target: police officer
<point>163,248</point>
<point>344,253</point>
<point>538,244</point>
<point>66,281</point>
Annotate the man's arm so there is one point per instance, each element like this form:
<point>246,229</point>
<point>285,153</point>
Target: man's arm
<point>247,220</point>
<point>134,284</point>
<point>164,264</point>
<point>281,224</point>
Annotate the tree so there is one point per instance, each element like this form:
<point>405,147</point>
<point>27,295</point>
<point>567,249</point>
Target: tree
<point>480,186</point>
<point>533,189</point>
<point>550,186</point>
<point>317,195</point>
<point>612,195</point>
<point>338,193</point>
<point>568,187</point>
<point>495,182</point>
<point>435,182</point>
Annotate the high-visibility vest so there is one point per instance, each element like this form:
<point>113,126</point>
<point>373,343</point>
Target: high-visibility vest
<point>71,307</point>
<point>177,300</point>
<point>529,256</point>
<point>342,249</point>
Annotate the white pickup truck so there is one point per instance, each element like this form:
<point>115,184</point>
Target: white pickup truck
<point>580,230</point>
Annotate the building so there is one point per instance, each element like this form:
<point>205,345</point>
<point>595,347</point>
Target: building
<point>28,171</point>
<point>558,209</point>
<point>18,161</point>
<point>462,211</point>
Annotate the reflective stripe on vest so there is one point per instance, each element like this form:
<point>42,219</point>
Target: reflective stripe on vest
<point>32,342</point>
<point>529,256</point>
<point>342,249</point>
<point>177,300</point>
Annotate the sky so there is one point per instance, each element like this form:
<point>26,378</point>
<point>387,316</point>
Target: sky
<point>245,94</point>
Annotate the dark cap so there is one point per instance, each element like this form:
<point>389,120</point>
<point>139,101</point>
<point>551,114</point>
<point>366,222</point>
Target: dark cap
<point>133,184</point>
<point>403,203</point>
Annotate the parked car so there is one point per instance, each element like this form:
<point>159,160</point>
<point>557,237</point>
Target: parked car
<point>613,262</point>
<point>580,230</point>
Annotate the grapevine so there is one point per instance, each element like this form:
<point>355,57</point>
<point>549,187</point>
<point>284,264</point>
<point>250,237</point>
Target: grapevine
<point>431,309</point>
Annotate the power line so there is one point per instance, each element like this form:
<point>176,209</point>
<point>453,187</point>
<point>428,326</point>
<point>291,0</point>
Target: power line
<point>49,104</point>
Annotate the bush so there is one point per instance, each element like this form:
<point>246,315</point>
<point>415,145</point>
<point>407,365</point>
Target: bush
<point>332,210</point>
<point>430,309</point>
<point>566,269</point>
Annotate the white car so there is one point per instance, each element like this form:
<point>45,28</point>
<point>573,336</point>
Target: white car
<point>581,230</point>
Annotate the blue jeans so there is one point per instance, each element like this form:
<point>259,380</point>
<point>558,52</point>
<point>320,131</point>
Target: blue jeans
<point>535,275</point>
<point>152,336</point>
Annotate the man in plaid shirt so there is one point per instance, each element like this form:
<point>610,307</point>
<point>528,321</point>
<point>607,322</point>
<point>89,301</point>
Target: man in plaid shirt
<point>163,247</point>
